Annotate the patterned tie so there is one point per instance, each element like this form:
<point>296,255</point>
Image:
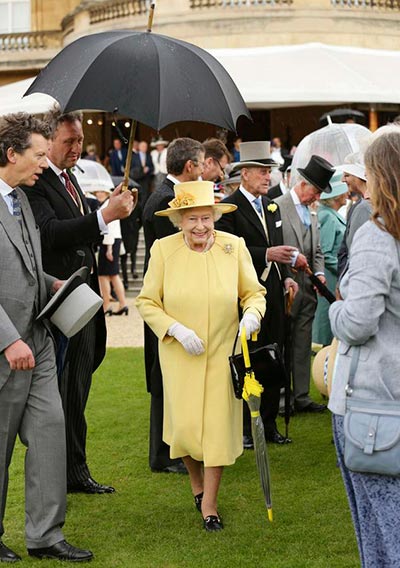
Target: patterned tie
<point>70,187</point>
<point>16,205</point>
<point>306,216</point>
<point>257,205</point>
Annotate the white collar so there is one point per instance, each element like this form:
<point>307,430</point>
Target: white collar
<point>249,196</point>
<point>174,180</point>
<point>295,197</point>
<point>5,189</point>
<point>55,168</point>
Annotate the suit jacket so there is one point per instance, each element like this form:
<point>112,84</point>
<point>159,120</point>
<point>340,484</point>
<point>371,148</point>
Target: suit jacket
<point>245,222</point>
<point>157,227</point>
<point>18,301</point>
<point>65,231</point>
<point>137,172</point>
<point>292,232</point>
<point>117,165</point>
<point>275,191</point>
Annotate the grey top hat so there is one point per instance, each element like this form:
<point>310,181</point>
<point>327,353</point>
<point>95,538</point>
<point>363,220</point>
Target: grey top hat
<point>255,155</point>
<point>73,305</point>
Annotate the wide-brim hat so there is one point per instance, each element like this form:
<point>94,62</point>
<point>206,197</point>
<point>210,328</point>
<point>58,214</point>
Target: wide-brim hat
<point>338,186</point>
<point>323,366</point>
<point>357,170</point>
<point>159,141</point>
<point>192,194</point>
<point>73,305</point>
<point>255,155</point>
<point>318,173</point>
<point>234,177</point>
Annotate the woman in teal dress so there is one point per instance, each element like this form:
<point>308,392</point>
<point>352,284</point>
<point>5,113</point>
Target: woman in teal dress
<point>332,228</point>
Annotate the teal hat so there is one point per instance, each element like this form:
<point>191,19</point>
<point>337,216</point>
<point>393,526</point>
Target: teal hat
<point>338,186</point>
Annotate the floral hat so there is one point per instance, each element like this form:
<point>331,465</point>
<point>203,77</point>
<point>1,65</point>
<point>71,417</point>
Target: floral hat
<point>195,194</point>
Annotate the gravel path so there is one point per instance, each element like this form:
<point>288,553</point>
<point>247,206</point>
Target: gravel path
<point>125,331</point>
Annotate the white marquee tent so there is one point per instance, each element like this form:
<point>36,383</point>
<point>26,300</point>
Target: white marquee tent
<point>282,76</point>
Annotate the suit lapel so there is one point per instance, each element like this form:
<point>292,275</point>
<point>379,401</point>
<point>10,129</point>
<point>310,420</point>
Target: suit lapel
<point>247,210</point>
<point>56,184</point>
<point>13,230</point>
<point>293,217</point>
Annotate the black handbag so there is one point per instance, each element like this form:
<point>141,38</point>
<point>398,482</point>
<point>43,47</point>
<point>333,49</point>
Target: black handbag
<point>266,362</point>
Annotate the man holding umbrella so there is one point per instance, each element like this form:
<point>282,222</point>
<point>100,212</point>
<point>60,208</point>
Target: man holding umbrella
<point>68,232</point>
<point>257,220</point>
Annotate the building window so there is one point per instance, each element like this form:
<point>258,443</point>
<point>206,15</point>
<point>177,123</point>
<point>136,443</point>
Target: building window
<point>15,16</point>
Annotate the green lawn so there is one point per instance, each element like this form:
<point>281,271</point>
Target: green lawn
<point>151,521</point>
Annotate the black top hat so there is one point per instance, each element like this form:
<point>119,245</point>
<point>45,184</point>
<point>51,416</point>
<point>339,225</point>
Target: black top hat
<point>318,172</point>
<point>287,162</point>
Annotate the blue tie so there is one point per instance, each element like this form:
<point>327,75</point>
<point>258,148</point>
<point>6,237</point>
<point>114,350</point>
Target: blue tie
<point>306,216</point>
<point>16,205</point>
<point>257,205</point>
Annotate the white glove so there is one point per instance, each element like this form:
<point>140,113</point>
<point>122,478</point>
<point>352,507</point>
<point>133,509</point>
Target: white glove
<point>251,323</point>
<point>187,337</point>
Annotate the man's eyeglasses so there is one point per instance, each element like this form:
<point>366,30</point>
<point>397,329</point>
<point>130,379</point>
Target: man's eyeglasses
<point>220,167</point>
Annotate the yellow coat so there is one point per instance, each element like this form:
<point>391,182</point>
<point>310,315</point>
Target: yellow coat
<point>202,418</point>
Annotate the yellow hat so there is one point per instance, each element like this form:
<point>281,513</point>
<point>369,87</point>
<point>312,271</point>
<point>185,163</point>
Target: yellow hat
<point>323,365</point>
<point>195,194</point>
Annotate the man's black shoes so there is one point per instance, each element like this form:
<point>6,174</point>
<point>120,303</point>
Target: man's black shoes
<point>276,437</point>
<point>62,551</point>
<point>248,443</point>
<point>310,407</point>
<point>90,486</point>
<point>174,468</point>
<point>7,555</point>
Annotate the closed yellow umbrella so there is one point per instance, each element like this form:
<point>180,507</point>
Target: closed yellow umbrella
<point>252,395</point>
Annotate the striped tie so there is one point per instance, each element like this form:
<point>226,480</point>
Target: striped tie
<point>70,187</point>
<point>16,205</point>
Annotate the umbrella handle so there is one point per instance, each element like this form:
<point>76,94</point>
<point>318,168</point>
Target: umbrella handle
<point>245,348</point>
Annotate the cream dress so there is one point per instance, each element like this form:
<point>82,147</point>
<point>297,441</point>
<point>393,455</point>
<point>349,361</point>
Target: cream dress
<point>202,418</point>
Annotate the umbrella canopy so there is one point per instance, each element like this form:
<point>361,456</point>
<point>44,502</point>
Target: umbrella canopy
<point>154,79</point>
<point>341,115</point>
<point>333,142</point>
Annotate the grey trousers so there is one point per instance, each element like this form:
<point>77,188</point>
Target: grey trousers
<point>30,406</point>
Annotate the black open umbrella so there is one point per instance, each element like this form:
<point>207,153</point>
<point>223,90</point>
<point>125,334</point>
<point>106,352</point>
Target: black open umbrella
<point>154,79</point>
<point>341,115</point>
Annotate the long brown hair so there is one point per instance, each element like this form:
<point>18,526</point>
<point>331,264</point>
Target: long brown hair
<point>382,161</point>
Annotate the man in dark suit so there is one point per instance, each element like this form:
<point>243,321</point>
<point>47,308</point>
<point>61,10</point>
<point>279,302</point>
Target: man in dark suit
<point>142,170</point>
<point>185,162</point>
<point>257,220</point>
<point>30,404</point>
<point>283,186</point>
<point>117,158</point>
<point>300,230</point>
<point>68,231</point>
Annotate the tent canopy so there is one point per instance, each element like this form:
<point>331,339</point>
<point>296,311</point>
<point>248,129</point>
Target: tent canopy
<point>312,74</point>
<point>281,76</point>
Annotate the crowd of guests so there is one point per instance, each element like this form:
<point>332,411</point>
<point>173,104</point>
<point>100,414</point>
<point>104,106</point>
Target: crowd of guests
<point>222,253</point>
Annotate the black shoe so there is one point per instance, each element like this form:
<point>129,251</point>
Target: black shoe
<point>213,523</point>
<point>175,468</point>
<point>276,437</point>
<point>62,551</point>
<point>198,500</point>
<point>90,486</point>
<point>311,407</point>
<point>248,443</point>
<point>7,555</point>
<point>123,311</point>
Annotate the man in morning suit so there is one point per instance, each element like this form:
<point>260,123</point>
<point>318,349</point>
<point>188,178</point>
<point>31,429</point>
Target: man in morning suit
<point>142,170</point>
<point>68,231</point>
<point>300,229</point>
<point>185,161</point>
<point>258,221</point>
<point>30,403</point>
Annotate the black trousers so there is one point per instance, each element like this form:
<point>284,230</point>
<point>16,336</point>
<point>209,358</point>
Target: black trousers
<point>272,331</point>
<point>74,384</point>
<point>158,449</point>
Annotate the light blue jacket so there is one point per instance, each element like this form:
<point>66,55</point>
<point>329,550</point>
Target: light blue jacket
<point>369,316</point>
